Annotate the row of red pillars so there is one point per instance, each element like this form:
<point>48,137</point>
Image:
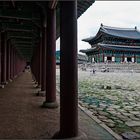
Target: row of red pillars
<point>43,65</point>
<point>11,63</point>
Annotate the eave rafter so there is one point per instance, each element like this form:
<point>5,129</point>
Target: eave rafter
<point>53,4</point>
<point>19,14</point>
<point>20,34</point>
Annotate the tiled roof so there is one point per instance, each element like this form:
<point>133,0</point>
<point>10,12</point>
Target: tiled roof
<point>131,33</point>
<point>128,33</point>
<point>120,47</point>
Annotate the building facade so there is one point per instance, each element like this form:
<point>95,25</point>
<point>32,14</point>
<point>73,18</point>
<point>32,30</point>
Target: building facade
<point>114,45</point>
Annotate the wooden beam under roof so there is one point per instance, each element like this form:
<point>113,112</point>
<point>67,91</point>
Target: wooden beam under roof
<point>13,26</point>
<point>15,33</point>
<point>28,12</point>
<point>23,43</point>
<point>18,30</point>
<point>53,4</point>
<point>21,37</point>
<point>18,14</point>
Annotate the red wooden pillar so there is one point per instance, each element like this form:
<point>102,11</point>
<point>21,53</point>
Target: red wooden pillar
<point>43,62</point>
<point>8,61</point>
<point>68,70</point>
<point>37,66</point>
<point>39,63</point>
<point>103,58</point>
<point>33,66</point>
<point>98,57</point>
<point>32,70</point>
<point>43,87</point>
<point>17,66</point>
<point>0,59</point>
<point>50,101</point>
<point>15,63</point>
<point>123,57</point>
<point>135,60</point>
<point>11,64</point>
<point>1,86</point>
<point>17,58</point>
<point>3,58</point>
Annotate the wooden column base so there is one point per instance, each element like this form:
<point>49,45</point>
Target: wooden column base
<point>1,86</point>
<point>81,136</point>
<point>41,93</point>
<point>50,105</point>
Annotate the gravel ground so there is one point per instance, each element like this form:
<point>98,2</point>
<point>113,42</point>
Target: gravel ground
<point>21,116</point>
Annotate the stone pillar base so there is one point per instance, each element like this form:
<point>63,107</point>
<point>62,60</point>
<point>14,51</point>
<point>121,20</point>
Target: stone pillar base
<point>35,82</point>
<point>50,104</point>
<point>41,93</point>
<point>1,86</point>
<point>38,86</point>
<point>81,136</point>
<point>4,83</point>
<point>10,80</point>
<point>35,85</point>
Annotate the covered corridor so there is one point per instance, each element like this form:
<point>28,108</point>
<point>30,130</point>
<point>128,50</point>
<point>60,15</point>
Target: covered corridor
<point>22,117</point>
<point>28,33</point>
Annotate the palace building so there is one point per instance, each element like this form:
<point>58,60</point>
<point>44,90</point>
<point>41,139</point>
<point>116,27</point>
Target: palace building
<point>113,44</point>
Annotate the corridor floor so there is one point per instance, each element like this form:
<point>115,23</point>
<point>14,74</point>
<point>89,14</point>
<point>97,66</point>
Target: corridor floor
<point>21,116</point>
<point>20,113</point>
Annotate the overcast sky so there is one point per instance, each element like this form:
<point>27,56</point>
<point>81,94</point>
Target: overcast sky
<point>111,13</point>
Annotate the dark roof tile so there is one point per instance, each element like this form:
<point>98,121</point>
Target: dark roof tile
<point>129,33</point>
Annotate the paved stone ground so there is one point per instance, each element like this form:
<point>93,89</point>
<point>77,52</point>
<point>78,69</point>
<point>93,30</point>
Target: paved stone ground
<point>22,118</point>
<point>92,129</point>
<point>114,98</point>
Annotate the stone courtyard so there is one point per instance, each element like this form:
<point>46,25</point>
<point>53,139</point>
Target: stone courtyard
<point>114,98</point>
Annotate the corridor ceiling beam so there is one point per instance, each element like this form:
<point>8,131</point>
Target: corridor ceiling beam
<point>53,4</point>
<point>22,20</point>
<point>17,14</point>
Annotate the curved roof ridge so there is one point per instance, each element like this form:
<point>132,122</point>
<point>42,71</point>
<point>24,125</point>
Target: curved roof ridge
<point>89,38</point>
<point>126,33</point>
<point>117,28</point>
<point>102,44</point>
